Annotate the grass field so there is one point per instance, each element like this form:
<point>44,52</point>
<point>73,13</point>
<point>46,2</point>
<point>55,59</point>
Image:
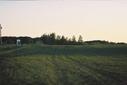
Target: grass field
<point>63,65</point>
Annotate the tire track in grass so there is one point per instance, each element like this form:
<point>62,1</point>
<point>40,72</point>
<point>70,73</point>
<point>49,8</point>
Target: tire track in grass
<point>61,70</point>
<point>32,70</point>
<point>109,77</point>
<point>27,71</point>
<point>91,65</point>
<point>57,70</point>
<point>95,78</point>
<point>111,68</point>
<point>75,74</point>
<point>50,74</point>
<point>97,75</point>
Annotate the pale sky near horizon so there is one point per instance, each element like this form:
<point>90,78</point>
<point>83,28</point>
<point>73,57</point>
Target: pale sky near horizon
<point>93,19</point>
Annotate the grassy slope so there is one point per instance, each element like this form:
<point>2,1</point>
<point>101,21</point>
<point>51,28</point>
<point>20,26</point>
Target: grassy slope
<point>63,65</point>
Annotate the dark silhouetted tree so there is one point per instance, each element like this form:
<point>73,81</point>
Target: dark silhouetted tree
<point>63,40</point>
<point>52,38</point>
<point>74,40</point>
<point>80,39</point>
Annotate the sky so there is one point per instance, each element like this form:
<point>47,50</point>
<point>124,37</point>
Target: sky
<point>93,19</point>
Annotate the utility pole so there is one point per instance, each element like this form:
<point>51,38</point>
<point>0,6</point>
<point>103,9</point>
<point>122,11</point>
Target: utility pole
<point>0,35</point>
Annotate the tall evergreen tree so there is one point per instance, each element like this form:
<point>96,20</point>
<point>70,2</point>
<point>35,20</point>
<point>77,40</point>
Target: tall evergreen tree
<point>74,40</point>
<point>80,39</point>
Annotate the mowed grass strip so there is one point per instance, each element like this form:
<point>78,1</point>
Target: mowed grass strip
<point>111,70</point>
<point>64,70</point>
<point>63,65</point>
<point>76,74</point>
<point>34,70</point>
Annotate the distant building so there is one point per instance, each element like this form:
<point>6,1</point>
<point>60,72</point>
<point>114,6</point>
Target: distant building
<point>18,42</point>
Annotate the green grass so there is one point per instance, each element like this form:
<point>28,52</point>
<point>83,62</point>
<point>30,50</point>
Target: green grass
<point>63,65</point>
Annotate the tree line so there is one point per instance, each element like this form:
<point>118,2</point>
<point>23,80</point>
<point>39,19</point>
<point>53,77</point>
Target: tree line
<point>53,39</point>
<point>49,39</point>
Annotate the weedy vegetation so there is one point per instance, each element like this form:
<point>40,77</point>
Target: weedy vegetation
<point>63,65</point>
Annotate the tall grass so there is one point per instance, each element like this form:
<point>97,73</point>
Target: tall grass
<point>63,65</point>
